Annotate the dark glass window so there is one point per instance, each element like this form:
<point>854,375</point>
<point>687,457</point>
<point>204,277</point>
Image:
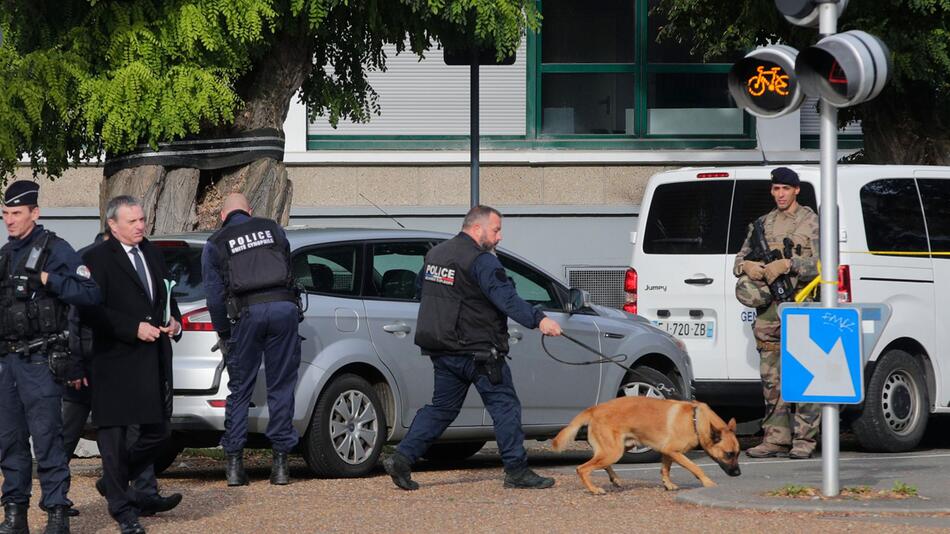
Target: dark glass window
<point>588,104</point>
<point>936,196</point>
<point>669,50</point>
<point>753,199</point>
<point>331,269</point>
<point>184,264</point>
<point>594,31</point>
<point>531,285</point>
<point>689,218</point>
<point>893,221</point>
<point>395,268</point>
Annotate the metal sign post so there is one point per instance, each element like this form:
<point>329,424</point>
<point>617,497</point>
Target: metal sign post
<point>828,25</point>
<point>474,133</point>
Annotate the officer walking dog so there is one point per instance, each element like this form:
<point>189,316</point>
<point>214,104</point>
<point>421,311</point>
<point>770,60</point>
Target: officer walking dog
<point>670,427</point>
<point>467,298</point>
<point>247,277</point>
<point>41,276</point>
<point>794,228</point>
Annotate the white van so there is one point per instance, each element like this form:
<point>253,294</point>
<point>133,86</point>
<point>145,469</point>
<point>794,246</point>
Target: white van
<point>895,248</point>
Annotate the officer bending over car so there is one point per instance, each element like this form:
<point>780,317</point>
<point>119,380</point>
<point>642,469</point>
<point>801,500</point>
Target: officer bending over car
<point>253,307</point>
<point>41,276</point>
<point>467,298</point>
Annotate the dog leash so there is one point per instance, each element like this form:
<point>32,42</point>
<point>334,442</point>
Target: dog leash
<point>602,360</point>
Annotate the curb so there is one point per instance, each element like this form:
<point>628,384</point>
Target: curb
<point>717,498</point>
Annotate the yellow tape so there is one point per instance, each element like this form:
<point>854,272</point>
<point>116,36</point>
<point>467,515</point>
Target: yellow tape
<point>895,253</point>
<point>811,289</point>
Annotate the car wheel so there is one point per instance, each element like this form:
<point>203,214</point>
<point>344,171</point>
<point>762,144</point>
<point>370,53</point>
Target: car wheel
<point>167,455</point>
<point>347,430</point>
<point>647,382</point>
<point>896,405</point>
<point>452,451</point>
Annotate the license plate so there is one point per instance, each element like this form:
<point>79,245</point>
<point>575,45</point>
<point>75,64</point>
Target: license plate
<point>688,329</point>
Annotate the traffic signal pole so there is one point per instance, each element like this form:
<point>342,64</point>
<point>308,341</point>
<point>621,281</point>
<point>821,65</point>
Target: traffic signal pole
<point>828,220</point>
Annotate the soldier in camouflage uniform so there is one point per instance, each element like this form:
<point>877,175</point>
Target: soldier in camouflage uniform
<point>786,426</point>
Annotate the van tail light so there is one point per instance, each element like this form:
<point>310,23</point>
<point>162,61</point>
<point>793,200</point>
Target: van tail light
<point>197,321</point>
<point>844,283</point>
<point>630,289</point>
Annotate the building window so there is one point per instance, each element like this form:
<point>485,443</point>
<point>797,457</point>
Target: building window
<point>602,72</point>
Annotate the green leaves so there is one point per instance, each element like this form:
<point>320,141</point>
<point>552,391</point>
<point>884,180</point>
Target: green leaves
<point>81,76</point>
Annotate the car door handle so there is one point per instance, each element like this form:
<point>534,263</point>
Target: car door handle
<point>516,335</point>
<point>699,281</point>
<point>398,328</point>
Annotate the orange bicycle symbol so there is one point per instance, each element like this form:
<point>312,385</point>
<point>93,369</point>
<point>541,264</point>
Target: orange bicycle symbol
<point>768,79</point>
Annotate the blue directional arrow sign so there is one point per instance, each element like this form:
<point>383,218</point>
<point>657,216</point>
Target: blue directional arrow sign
<point>821,355</point>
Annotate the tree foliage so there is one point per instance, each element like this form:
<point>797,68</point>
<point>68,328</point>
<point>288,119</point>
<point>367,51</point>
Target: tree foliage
<point>909,122</point>
<point>83,77</point>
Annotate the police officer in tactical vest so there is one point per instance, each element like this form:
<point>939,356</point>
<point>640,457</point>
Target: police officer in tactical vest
<point>247,277</point>
<point>789,236</point>
<point>467,298</point>
<point>40,276</point>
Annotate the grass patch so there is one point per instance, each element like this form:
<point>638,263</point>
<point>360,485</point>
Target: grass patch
<point>900,490</point>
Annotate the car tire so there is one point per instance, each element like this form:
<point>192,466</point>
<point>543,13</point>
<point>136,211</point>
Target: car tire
<point>167,454</point>
<point>896,405</point>
<point>347,430</point>
<point>647,382</point>
<point>452,451</point>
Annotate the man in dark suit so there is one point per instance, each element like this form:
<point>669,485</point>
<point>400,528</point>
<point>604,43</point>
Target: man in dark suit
<point>131,366</point>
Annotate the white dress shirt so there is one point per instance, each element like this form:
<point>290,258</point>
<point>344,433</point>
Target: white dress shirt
<point>148,273</point>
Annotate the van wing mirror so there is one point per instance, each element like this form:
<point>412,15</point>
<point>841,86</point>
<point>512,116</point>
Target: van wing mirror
<point>578,300</point>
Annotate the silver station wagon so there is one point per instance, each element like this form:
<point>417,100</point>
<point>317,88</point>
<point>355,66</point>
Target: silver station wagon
<point>362,378</point>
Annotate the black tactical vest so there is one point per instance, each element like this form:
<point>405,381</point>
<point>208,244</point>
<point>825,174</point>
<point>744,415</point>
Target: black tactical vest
<point>256,257</point>
<point>29,311</point>
<point>455,316</point>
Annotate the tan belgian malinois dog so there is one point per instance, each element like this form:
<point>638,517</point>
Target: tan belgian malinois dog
<point>667,426</point>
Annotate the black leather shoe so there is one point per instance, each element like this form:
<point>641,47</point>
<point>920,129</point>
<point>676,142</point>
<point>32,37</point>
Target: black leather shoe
<point>156,504</point>
<point>280,469</point>
<point>400,469</point>
<point>235,470</point>
<point>14,519</point>
<point>525,478</point>
<point>72,512</point>
<point>101,486</point>
<point>57,521</point>
<point>132,527</point>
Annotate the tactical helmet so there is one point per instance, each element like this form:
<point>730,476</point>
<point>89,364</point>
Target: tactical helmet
<point>752,293</point>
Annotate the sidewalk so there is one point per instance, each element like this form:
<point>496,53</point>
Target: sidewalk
<point>928,471</point>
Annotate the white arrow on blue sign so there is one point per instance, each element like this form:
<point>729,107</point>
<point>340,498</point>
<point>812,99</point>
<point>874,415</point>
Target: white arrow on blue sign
<point>821,355</point>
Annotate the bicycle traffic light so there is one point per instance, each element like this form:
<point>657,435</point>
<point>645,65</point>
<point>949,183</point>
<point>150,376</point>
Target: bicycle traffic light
<point>764,82</point>
<point>844,69</point>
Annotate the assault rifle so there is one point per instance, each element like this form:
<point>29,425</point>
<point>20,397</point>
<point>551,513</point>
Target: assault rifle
<point>781,288</point>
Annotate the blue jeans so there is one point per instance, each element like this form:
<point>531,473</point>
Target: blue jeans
<point>453,376</point>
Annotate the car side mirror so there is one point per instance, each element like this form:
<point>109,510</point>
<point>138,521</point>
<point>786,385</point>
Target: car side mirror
<point>578,300</point>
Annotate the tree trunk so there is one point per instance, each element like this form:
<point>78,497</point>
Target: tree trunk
<point>184,200</point>
<point>899,131</point>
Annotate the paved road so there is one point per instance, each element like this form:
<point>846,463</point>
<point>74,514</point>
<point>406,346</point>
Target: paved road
<point>468,497</point>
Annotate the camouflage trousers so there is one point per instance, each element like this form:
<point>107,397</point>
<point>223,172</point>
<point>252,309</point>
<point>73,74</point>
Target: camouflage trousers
<point>785,424</point>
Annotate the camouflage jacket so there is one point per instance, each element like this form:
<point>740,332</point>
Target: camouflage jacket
<point>802,228</point>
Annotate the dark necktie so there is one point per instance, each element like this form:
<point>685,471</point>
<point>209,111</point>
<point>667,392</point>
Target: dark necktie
<point>140,269</point>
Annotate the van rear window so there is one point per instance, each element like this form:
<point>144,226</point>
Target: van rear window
<point>689,218</point>
<point>893,220</point>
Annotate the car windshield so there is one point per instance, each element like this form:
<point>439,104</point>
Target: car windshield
<point>184,263</point>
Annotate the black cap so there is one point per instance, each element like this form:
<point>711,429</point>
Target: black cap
<point>22,193</point>
<point>786,176</point>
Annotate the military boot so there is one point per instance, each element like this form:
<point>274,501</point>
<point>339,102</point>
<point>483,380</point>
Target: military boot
<point>400,469</point>
<point>235,469</point>
<point>767,450</point>
<point>280,469</point>
<point>525,478</point>
<point>14,519</point>
<point>57,521</point>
